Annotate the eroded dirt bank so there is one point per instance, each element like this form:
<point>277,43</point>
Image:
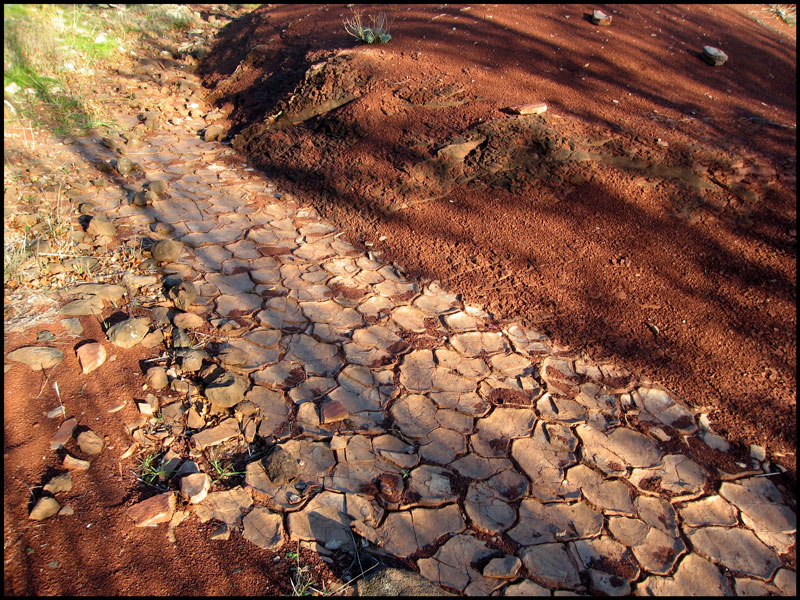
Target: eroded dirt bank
<point>648,215</point>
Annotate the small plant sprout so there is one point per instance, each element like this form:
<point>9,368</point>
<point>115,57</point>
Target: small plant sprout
<point>152,468</point>
<point>224,471</point>
<point>378,32</point>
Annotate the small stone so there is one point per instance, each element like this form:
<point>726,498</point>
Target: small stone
<point>90,442</point>
<point>37,357</point>
<point>221,533</point>
<point>100,225</point>
<point>192,361</point>
<point>714,56</point>
<point>166,250</point>
<point>59,483</point>
<point>153,511</point>
<point>91,356</point>
<point>124,165</point>
<point>195,487</point>
<point>601,18</point>
<point>140,199</point>
<point>66,511</point>
<point>44,508</point>
<point>72,326</point>
<point>159,187</point>
<point>194,420</point>
<point>128,333</point>
<point>213,132</point>
<point>157,378</point>
<point>153,339</point>
<point>76,464</point>
<point>227,390</point>
<point>45,336</point>
<point>188,320</point>
<point>758,452</point>
<point>63,434</point>
<point>536,108</point>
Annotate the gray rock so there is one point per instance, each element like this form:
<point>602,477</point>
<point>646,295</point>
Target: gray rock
<point>45,336</point>
<point>714,56</point>
<point>153,511</point>
<point>195,487</point>
<point>80,264</point>
<point>226,506</point>
<point>72,326</point>
<point>601,18</point>
<point>506,567</point>
<point>180,339</point>
<point>451,566</point>
<point>227,390</point>
<point>183,294</point>
<point>192,360</point>
<point>93,305</point>
<point>694,576</point>
<point>91,356</point>
<point>159,187</point>
<point>188,320</point>
<point>124,165</point>
<point>213,132</point>
<point>128,333</point>
<point>37,357</point>
<point>552,565</point>
<point>166,250</point>
<point>76,464</point>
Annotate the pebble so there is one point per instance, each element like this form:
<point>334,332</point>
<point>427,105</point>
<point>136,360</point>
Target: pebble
<point>714,56</point>
<point>601,18</point>
<point>45,507</point>
<point>100,225</point>
<point>91,356</point>
<point>64,433</point>
<point>76,464</point>
<point>90,442</point>
<point>59,483</point>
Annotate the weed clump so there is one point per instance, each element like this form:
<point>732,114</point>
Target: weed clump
<point>378,32</point>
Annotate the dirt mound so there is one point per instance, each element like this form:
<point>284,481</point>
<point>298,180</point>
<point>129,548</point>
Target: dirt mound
<point>648,215</point>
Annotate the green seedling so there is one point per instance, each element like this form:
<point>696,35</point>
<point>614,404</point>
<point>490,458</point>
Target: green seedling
<point>151,468</point>
<point>224,471</point>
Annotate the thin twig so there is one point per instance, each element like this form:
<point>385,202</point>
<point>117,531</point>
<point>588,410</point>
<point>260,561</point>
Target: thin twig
<point>353,579</point>
<point>43,385</point>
